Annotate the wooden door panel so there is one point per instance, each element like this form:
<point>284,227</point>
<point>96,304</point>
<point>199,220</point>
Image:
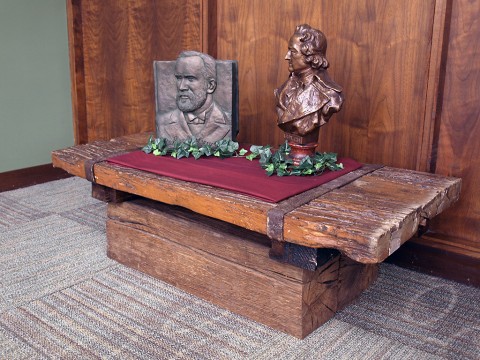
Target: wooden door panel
<point>458,148</point>
<point>116,42</point>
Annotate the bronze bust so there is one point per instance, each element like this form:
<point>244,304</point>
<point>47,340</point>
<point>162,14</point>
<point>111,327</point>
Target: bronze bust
<point>307,100</point>
<point>196,113</point>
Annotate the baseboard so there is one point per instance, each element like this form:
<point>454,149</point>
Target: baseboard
<point>20,178</point>
<point>434,255</point>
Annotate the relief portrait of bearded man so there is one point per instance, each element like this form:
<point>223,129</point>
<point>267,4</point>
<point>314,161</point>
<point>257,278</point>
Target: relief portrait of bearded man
<point>196,114</point>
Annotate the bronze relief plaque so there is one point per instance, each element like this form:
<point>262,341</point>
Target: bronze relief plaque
<point>196,96</point>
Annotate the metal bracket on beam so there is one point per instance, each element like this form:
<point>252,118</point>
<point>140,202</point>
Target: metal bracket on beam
<point>298,255</point>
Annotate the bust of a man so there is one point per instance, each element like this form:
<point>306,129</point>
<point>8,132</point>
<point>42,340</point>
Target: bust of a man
<point>307,100</point>
<point>197,114</point>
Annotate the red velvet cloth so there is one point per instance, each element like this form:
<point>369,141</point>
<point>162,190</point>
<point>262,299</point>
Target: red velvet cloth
<point>236,174</point>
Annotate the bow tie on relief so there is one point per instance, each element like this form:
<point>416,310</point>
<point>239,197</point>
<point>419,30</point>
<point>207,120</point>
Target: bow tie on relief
<point>193,119</point>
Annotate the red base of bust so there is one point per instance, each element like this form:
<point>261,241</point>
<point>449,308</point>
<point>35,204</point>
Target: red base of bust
<point>298,151</point>
<point>302,145</point>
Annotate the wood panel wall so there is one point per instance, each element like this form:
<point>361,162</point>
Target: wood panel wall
<point>113,44</point>
<point>410,71</point>
<point>457,142</point>
<point>379,52</point>
<point>452,247</point>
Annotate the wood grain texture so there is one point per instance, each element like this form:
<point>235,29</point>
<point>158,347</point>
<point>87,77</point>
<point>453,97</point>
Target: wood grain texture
<point>379,52</point>
<point>373,216</point>
<point>210,18</point>
<point>435,85</point>
<point>198,231</point>
<point>353,278</point>
<point>229,266</point>
<point>241,210</point>
<point>367,219</point>
<point>73,159</point>
<point>77,71</point>
<point>458,148</point>
<point>120,40</point>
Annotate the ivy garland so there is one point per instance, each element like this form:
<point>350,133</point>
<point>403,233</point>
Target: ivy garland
<point>279,163</point>
<point>274,162</point>
<point>160,146</point>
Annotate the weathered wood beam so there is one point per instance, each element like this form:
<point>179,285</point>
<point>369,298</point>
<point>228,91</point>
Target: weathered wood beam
<point>367,219</point>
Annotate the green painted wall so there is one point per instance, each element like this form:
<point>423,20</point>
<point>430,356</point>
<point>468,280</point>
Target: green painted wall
<point>35,104</point>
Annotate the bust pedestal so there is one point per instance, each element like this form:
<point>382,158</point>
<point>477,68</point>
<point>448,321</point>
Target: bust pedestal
<point>302,146</point>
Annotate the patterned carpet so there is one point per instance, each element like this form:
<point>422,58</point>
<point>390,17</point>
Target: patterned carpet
<point>62,298</point>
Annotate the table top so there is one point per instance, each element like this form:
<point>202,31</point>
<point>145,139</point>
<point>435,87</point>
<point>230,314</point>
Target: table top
<point>367,219</point>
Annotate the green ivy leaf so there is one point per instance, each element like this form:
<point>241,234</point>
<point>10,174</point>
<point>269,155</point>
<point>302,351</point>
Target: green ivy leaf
<point>285,148</point>
<point>206,150</point>
<point>147,149</point>
<point>265,156</point>
<point>197,154</point>
<point>255,149</point>
<point>305,163</point>
<point>270,169</point>
<point>309,171</point>
<point>182,152</point>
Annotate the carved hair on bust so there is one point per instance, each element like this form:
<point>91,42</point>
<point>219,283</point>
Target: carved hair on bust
<point>314,46</point>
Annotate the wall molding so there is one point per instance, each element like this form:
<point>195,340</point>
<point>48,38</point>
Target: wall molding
<point>430,254</point>
<point>20,178</point>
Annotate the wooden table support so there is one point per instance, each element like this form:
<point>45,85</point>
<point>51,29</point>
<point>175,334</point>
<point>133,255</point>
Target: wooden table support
<point>230,266</point>
<point>301,256</point>
<point>290,265</point>
<point>109,195</point>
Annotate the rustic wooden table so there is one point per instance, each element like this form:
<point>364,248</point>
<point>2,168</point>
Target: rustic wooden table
<point>222,246</point>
